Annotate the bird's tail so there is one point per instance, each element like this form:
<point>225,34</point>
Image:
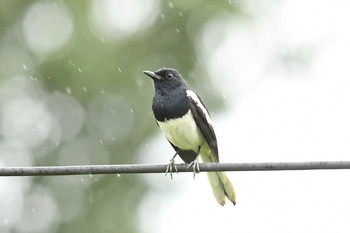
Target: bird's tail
<point>220,183</point>
<point>222,187</point>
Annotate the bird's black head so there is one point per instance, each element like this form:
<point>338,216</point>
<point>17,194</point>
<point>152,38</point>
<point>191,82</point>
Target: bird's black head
<point>166,78</point>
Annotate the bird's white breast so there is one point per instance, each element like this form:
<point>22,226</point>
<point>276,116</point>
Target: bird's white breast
<point>183,132</point>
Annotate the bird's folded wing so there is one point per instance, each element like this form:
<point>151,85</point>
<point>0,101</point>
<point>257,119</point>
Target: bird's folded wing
<point>204,123</point>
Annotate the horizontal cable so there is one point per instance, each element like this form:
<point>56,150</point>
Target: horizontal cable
<point>160,168</point>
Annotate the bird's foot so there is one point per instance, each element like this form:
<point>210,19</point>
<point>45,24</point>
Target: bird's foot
<point>170,167</point>
<point>195,165</point>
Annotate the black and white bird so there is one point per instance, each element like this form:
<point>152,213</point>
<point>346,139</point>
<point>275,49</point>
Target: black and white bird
<point>186,123</point>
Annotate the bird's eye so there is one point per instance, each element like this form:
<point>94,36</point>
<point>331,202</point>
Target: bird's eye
<point>169,75</point>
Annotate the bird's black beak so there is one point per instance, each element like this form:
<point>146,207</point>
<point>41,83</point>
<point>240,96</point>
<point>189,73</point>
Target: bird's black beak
<point>151,74</point>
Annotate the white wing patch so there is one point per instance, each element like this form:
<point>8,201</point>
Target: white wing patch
<point>195,98</point>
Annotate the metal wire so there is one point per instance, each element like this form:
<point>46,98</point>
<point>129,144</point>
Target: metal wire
<point>160,168</point>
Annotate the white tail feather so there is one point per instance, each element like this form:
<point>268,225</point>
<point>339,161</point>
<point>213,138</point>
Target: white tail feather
<point>219,182</point>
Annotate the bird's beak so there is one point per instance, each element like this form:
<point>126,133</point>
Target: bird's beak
<point>151,74</point>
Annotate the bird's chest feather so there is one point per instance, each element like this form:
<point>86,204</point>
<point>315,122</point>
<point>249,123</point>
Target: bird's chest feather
<point>182,132</point>
<point>170,104</point>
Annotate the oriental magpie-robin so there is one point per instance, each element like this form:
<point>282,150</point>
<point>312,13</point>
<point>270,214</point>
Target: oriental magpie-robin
<point>186,123</point>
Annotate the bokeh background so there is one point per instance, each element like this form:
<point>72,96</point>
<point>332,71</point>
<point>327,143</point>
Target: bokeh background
<point>275,75</point>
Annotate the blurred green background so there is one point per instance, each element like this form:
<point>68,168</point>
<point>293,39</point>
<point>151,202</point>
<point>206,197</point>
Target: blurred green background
<point>72,91</point>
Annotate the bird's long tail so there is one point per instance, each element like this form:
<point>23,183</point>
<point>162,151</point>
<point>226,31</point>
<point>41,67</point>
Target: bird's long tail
<point>220,183</point>
<point>222,187</point>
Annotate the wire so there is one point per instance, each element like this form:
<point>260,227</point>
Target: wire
<point>160,168</point>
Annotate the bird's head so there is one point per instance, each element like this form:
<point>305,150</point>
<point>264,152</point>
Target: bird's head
<point>167,78</point>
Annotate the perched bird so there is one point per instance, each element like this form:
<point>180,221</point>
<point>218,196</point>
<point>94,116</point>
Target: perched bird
<point>186,123</point>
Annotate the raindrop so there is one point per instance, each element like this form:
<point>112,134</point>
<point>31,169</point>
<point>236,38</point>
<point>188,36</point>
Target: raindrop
<point>180,13</point>
<point>118,175</point>
<point>48,77</point>
<point>120,70</point>
<point>113,138</point>
<point>177,30</point>
<point>229,2</point>
<point>171,5</point>
<point>131,110</point>
<point>91,176</point>
<point>33,210</point>
<point>162,16</point>
<point>82,180</point>
<point>79,70</point>
<point>103,92</point>
<point>101,141</point>
<point>24,66</point>
<point>68,90</point>
<point>84,89</point>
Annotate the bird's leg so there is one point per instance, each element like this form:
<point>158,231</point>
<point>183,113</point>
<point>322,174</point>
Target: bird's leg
<point>171,165</point>
<point>195,164</point>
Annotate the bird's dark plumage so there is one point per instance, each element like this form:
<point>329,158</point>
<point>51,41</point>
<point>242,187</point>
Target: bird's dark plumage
<point>171,101</point>
<point>186,123</point>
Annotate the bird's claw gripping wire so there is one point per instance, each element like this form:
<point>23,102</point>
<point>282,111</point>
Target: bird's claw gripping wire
<point>171,166</point>
<point>195,165</point>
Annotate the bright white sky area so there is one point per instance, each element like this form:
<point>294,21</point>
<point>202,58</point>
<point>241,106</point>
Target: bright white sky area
<point>295,111</point>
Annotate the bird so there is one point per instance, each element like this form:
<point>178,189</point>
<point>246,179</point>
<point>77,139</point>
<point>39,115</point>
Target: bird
<point>186,123</point>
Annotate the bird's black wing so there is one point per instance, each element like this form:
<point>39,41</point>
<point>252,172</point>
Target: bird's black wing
<point>186,155</point>
<point>203,121</point>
